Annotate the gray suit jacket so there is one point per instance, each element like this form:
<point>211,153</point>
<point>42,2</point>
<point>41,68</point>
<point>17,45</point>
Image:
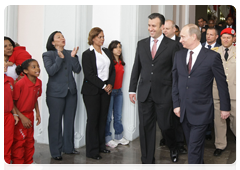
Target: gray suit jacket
<point>60,73</point>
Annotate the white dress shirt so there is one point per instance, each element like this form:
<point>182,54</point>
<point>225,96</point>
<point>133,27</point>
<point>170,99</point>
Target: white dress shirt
<point>158,43</point>
<point>102,63</point>
<point>206,45</point>
<point>196,51</point>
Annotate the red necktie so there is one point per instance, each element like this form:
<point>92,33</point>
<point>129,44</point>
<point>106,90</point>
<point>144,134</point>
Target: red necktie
<point>190,62</point>
<point>154,48</point>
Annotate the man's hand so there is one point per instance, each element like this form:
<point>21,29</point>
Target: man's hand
<point>132,98</point>
<point>225,114</point>
<point>177,111</point>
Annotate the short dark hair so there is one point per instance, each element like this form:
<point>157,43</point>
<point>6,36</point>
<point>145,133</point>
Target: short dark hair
<point>213,29</point>
<point>113,45</point>
<point>11,41</point>
<point>157,15</point>
<point>49,44</point>
<point>177,27</point>
<point>24,66</point>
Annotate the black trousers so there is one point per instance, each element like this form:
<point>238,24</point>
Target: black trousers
<point>61,108</point>
<point>97,111</point>
<point>149,113</point>
<point>195,138</point>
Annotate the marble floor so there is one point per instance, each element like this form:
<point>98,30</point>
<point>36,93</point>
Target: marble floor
<point>131,154</point>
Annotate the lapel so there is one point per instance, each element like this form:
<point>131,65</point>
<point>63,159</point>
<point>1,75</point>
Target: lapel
<point>184,56</point>
<point>93,57</point>
<point>161,47</point>
<point>201,56</point>
<point>147,47</point>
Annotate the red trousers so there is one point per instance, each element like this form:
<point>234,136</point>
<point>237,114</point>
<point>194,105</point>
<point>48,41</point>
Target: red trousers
<point>8,136</point>
<point>23,143</point>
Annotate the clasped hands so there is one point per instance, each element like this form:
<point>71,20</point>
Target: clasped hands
<point>108,89</point>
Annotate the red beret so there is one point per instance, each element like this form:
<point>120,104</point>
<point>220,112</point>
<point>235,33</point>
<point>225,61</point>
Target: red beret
<point>228,31</point>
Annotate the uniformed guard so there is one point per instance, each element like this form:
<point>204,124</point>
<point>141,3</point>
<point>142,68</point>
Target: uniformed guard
<point>228,56</point>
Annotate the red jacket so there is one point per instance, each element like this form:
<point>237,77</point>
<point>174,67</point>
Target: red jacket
<point>19,55</point>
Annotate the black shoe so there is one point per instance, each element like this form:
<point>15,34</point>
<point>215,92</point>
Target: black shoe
<point>218,152</point>
<point>73,152</point>
<point>58,158</point>
<point>208,137</point>
<point>182,150</point>
<point>97,157</point>
<point>174,155</point>
<point>105,151</point>
<point>162,142</point>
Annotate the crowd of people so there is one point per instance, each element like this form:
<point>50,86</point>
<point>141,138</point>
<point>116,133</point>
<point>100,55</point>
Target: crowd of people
<point>185,81</point>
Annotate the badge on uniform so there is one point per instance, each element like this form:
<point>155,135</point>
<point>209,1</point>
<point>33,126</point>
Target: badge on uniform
<point>11,86</point>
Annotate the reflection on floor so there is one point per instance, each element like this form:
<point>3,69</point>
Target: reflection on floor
<point>131,154</point>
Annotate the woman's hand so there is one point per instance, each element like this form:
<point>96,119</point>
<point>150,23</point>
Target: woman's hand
<point>108,88</point>
<point>60,54</point>
<point>74,52</point>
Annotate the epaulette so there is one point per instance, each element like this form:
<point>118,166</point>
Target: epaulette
<point>215,48</point>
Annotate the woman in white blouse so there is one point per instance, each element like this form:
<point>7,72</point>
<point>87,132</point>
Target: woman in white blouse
<point>99,77</point>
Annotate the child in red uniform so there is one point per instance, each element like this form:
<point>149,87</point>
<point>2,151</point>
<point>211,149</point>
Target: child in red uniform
<point>18,56</point>
<point>25,94</point>
<point>9,118</point>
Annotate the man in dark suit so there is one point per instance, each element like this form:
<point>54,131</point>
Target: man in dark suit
<point>211,24</point>
<point>153,61</point>
<point>169,31</point>
<point>229,23</point>
<point>193,72</point>
<point>211,38</point>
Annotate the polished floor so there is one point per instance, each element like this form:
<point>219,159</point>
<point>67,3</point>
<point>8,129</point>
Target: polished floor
<point>131,154</point>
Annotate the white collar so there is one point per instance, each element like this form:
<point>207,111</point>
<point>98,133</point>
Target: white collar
<point>91,48</point>
<point>174,37</point>
<point>197,49</point>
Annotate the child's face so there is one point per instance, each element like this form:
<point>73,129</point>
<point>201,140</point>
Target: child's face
<point>5,66</point>
<point>8,48</point>
<point>33,69</point>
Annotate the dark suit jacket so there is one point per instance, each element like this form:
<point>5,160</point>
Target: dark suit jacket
<point>179,44</point>
<point>216,45</point>
<point>92,83</point>
<point>155,74</point>
<point>60,72</point>
<point>193,92</point>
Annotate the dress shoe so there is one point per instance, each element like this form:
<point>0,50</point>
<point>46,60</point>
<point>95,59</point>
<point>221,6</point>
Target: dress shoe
<point>105,151</point>
<point>73,152</point>
<point>218,152</point>
<point>58,158</point>
<point>208,137</point>
<point>162,142</point>
<point>97,157</point>
<point>182,150</point>
<point>174,155</point>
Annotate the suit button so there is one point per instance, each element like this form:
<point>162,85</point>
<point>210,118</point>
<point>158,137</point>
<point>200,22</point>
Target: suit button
<point>151,72</point>
<point>152,64</point>
<point>189,77</point>
<point>187,88</point>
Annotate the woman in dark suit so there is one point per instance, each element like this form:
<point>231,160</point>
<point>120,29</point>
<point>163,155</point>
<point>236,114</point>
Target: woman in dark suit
<point>99,77</point>
<point>61,94</point>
